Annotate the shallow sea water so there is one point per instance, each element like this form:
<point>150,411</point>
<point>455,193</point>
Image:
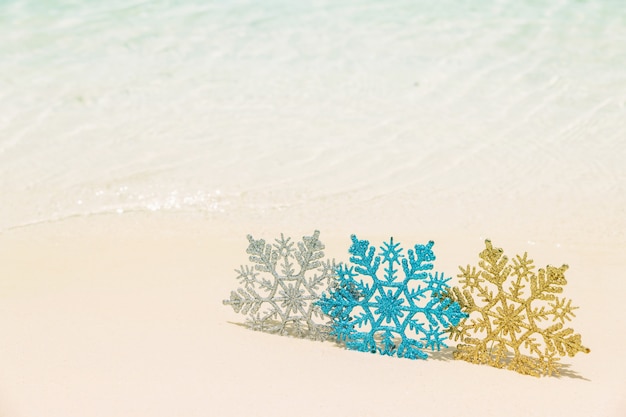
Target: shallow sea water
<point>489,118</point>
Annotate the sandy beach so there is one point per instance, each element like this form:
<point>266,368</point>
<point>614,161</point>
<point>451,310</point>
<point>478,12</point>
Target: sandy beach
<point>140,142</point>
<point>122,315</point>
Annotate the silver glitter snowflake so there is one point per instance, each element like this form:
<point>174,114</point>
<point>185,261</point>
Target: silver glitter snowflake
<point>278,293</point>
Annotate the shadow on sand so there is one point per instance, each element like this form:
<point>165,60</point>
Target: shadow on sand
<point>445,354</point>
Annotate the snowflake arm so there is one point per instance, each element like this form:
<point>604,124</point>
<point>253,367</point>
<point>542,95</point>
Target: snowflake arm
<point>433,338</point>
<point>363,257</point>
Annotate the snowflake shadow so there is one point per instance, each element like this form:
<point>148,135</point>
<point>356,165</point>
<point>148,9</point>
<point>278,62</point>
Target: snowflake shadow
<point>443,355</point>
<point>321,333</point>
<point>565,369</point>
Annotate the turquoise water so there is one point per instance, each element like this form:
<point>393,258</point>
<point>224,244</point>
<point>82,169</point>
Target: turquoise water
<point>490,115</point>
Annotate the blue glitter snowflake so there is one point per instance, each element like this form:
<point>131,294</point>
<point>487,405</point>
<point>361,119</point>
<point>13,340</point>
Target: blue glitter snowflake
<point>389,315</point>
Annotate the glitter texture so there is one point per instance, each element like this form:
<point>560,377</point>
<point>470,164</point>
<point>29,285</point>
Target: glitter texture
<point>506,303</point>
<point>390,315</point>
<point>278,291</point>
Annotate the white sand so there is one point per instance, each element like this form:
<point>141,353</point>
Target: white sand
<point>122,316</point>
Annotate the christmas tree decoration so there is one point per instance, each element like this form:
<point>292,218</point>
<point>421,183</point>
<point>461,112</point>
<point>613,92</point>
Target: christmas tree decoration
<point>516,317</point>
<point>385,313</point>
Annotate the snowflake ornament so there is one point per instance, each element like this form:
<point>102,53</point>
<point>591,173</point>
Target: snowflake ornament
<point>278,291</point>
<point>506,303</point>
<point>390,315</point>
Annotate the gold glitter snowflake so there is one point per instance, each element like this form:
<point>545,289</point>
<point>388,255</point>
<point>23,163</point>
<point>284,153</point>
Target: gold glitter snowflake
<point>506,302</point>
